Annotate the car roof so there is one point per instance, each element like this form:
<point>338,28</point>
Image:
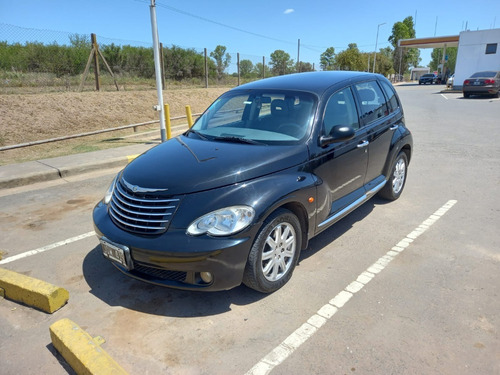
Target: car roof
<point>316,82</point>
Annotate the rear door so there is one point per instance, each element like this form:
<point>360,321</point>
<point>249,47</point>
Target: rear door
<point>380,121</point>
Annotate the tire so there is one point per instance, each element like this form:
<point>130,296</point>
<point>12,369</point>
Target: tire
<point>274,253</point>
<point>466,95</point>
<point>397,179</point>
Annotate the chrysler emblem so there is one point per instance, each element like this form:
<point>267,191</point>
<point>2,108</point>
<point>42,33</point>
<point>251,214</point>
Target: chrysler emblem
<point>138,189</point>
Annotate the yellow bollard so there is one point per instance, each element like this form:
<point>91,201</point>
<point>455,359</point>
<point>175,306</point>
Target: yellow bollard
<point>167,121</point>
<point>189,116</point>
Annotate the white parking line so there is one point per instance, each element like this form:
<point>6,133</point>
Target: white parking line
<point>315,322</point>
<point>46,248</point>
<point>444,96</point>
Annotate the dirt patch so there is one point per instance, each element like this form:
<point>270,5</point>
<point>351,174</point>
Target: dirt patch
<point>32,117</point>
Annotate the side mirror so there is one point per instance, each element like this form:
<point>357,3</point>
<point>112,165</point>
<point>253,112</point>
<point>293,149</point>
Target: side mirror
<point>339,133</point>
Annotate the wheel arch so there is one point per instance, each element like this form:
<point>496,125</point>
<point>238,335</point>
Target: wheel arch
<point>299,210</point>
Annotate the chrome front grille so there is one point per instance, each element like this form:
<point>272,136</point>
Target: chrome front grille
<point>144,213</point>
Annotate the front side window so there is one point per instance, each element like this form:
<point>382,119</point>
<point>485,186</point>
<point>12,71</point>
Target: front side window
<point>340,110</point>
<point>372,101</point>
<point>262,116</point>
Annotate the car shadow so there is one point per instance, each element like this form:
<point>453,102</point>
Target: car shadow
<point>116,289</point>
<point>341,227</point>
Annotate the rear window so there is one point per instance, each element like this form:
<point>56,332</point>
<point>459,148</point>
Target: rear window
<point>391,95</point>
<point>372,101</point>
<point>484,74</point>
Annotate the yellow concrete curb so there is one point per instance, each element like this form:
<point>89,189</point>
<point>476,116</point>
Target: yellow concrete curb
<point>32,292</point>
<point>82,352</point>
<point>131,157</point>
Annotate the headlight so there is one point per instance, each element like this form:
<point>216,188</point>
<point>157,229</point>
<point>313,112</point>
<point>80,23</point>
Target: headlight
<point>223,222</point>
<point>109,193</point>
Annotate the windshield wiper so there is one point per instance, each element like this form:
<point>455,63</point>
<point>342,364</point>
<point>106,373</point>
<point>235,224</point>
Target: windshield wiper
<point>197,133</point>
<point>232,138</point>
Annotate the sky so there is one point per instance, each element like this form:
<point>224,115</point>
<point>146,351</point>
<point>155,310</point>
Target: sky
<point>252,28</point>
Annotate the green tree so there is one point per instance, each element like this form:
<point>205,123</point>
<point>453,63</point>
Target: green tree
<point>281,63</point>
<point>246,67</point>
<point>327,59</point>
<point>305,67</point>
<point>257,70</point>
<point>222,60</point>
<point>113,55</point>
<point>184,63</point>
<point>79,52</point>
<point>138,61</point>
<point>384,62</point>
<point>437,58</point>
<point>350,59</point>
<point>403,58</point>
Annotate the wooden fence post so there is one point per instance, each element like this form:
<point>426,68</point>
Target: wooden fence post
<point>95,48</point>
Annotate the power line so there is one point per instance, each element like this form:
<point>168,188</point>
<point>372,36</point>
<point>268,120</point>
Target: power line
<point>306,46</point>
<point>219,23</point>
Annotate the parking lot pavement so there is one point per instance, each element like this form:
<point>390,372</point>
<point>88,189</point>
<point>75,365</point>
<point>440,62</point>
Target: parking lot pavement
<point>432,307</point>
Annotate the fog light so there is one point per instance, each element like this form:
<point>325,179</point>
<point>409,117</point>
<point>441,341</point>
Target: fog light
<point>206,277</point>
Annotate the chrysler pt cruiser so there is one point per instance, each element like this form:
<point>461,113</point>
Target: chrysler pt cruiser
<point>269,165</point>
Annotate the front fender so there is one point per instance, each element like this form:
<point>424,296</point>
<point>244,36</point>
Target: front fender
<point>291,188</point>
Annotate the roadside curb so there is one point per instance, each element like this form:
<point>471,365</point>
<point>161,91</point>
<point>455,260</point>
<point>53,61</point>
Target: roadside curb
<point>15,175</point>
<point>81,351</point>
<point>32,292</point>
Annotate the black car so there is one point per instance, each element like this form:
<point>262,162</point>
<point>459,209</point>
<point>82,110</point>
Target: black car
<point>427,78</point>
<point>482,83</point>
<point>269,165</point>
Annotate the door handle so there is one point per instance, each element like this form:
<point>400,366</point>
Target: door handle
<point>363,144</point>
<point>394,127</point>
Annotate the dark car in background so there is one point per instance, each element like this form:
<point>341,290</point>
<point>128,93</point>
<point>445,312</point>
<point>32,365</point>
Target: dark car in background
<point>269,165</point>
<point>427,78</point>
<point>482,83</point>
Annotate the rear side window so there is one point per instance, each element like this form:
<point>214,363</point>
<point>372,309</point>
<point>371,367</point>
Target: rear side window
<point>372,101</point>
<point>340,110</point>
<point>392,100</point>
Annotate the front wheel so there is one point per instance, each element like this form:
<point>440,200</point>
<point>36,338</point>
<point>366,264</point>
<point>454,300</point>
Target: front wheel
<point>274,253</point>
<point>394,186</point>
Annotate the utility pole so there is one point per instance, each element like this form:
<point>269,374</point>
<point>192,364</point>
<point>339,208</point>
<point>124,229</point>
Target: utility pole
<point>376,43</point>
<point>298,57</point>
<point>156,51</point>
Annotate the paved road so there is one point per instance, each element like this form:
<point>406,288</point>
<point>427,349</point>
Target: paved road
<point>431,307</point>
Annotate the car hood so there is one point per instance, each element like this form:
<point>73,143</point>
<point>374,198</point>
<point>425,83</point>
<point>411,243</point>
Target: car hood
<point>184,165</point>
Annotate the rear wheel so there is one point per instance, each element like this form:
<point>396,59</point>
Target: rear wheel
<point>466,95</point>
<point>274,253</point>
<point>394,186</point>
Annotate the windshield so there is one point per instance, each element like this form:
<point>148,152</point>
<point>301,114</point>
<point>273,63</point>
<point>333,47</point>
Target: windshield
<point>255,116</point>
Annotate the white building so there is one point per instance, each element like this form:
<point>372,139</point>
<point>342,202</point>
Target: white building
<point>477,51</point>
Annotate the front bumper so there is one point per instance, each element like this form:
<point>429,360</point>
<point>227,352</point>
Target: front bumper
<point>175,259</point>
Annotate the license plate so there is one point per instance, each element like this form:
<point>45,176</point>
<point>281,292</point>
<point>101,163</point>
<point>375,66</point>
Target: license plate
<point>477,83</point>
<point>114,252</point>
